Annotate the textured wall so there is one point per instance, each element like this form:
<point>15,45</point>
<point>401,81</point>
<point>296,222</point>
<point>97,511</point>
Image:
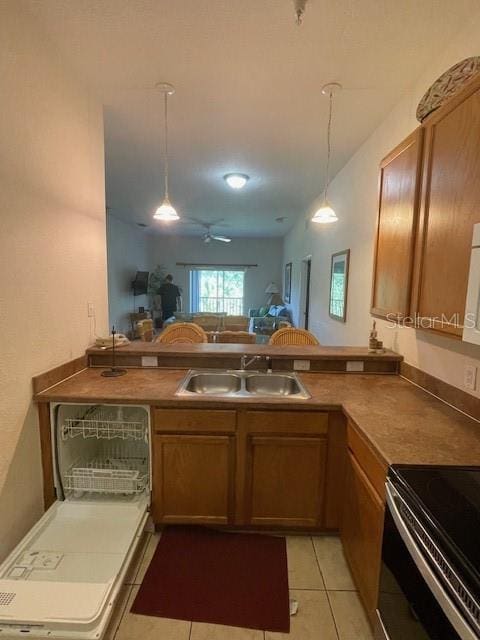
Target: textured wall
<point>354,194</point>
<point>52,245</point>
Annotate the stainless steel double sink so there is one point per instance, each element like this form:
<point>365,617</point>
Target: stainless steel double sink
<point>242,384</point>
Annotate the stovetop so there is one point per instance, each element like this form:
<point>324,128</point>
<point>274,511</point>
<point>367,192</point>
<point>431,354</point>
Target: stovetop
<point>447,499</point>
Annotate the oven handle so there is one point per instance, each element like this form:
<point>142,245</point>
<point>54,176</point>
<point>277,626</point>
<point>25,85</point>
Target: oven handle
<point>460,625</point>
<point>380,631</point>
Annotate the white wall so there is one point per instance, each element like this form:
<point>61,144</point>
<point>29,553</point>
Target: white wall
<point>266,252</point>
<point>128,252</point>
<point>52,245</point>
<point>354,196</point>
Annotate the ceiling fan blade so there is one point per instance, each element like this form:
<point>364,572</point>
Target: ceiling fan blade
<point>203,223</point>
<point>221,238</point>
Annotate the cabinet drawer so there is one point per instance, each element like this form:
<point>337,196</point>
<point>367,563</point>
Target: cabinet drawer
<point>292,422</point>
<point>372,466</point>
<point>187,420</point>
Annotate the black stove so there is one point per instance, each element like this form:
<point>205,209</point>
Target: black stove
<point>448,499</point>
<point>431,549</point>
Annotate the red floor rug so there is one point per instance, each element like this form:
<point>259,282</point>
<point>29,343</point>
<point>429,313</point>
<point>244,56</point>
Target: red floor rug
<point>202,575</point>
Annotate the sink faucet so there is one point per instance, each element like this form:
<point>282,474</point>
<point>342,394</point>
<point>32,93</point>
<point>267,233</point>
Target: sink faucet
<point>244,362</point>
<point>269,364</point>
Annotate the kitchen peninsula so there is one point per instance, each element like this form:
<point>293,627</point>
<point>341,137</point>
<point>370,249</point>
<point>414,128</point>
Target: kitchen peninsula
<point>317,464</point>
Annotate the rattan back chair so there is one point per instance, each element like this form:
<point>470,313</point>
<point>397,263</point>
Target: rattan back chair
<point>182,332</point>
<point>294,337</point>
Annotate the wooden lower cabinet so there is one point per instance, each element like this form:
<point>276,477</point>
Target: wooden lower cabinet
<point>193,479</point>
<point>257,468</point>
<point>361,533</point>
<point>281,468</point>
<point>284,482</point>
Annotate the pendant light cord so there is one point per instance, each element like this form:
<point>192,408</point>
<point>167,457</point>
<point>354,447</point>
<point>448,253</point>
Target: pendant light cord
<point>165,148</point>
<point>329,148</point>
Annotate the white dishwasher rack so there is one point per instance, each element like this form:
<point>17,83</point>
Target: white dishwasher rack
<point>105,423</point>
<point>108,475</point>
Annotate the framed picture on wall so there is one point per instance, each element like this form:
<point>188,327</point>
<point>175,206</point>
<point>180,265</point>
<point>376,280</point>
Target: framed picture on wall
<point>287,289</point>
<point>339,285</point>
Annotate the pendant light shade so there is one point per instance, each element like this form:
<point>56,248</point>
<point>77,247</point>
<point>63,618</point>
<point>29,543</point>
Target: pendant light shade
<point>326,214</point>
<point>166,212</point>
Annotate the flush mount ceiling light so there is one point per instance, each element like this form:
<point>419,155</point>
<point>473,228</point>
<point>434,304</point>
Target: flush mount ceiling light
<point>236,180</point>
<point>165,212</point>
<point>326,215</point>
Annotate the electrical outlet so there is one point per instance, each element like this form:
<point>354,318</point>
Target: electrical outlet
<point>149,361</point>
<point>355,365</point>
<point>470,377</point>
<point>90,309</point>
<point>301,365</point>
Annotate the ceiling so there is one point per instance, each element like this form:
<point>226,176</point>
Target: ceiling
<point>247,93</point>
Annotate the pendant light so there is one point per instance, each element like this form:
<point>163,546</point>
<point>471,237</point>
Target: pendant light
<point>326,215</point>
<point>166,212</point>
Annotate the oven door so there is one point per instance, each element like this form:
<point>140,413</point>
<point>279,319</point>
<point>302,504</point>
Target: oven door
<point>412,603</point>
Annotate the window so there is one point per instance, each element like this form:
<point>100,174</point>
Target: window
<point>217,291</point>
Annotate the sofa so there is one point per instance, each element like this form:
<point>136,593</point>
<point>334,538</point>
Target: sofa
<point>212,321</point>
<point>266,320</point>
<point>235,323</point>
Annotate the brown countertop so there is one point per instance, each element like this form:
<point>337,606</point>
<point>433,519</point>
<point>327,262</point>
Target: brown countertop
<point>404,423</point>
<point>140,348</point>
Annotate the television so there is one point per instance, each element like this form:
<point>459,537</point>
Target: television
<point>140,284</point>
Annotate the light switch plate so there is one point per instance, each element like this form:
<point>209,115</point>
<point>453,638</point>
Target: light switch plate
<point>149,361</point>
<point>470,377</point>
<point>90,309</point>
<point>301,365</point>
<point>355,365</point>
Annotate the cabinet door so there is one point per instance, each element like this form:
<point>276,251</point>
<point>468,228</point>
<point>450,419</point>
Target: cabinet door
<point>281,462</point>
<point>450,208</point>
<point>361,533</point>
<point>193,479</point>
<point>397,218</point>
<point>285,478</point>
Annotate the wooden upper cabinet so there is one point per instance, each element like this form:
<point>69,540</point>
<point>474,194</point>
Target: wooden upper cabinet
<point>397,217</point>
<point>450,207</point>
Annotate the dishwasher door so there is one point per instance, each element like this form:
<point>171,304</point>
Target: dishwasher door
<point>63,578</point>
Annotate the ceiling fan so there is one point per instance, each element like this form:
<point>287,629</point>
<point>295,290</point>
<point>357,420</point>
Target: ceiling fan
<point>208,236</point>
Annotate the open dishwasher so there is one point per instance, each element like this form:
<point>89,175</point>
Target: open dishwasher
<point>63,578</point>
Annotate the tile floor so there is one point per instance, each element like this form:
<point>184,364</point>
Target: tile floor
<point>328,605</point>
